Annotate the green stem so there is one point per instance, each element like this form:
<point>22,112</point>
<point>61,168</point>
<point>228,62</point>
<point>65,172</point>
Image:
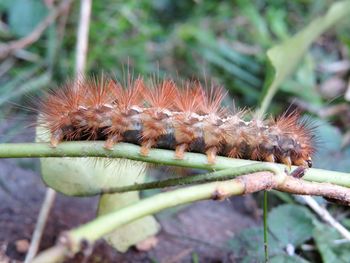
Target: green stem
<point>105,224</point>
<point>75,237</point>
<point>266,248</point>
<point>158,156</point>
<point>90,232</point>
<point>222,175</point>
<point>71,241</point>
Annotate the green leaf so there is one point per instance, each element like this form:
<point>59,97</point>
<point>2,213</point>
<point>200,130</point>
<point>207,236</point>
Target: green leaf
<point>284,58</point>
<point>290,224</point>
<point>195,257</point>
<point>287,259</point>
<point>329,250</point>
<point>248,245</point>
<point>25,15</point>
<point>130,234</point>
<point>328,156</point>
<point>277,18</point>
<point>286,198</point>
<point>220,54</point>
<point>346,222</point>
<point>253,14</point>
<point>84,176</point>
<point>304,83</point>
<point>4,4</point>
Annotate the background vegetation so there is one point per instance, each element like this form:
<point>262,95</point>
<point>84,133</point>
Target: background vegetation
<point>225,41</point>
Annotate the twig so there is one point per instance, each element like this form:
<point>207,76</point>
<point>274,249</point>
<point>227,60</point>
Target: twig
<point>335,67</point>
<point>266,240</point>
<point>36,33</point>
<point>6,66</point>
<point>297,186</point>
<point>102,225</point>
<point>245,184</point>
<point>347,93</point>
<point>40,224</point>
<point>289,185</point>
<point>26,55</point>
<point>83,36</point>
<point>61,25</point>
<point>80,64</point>
<point>157,156</point>
<point>221,175</point>
<point>326,216</point>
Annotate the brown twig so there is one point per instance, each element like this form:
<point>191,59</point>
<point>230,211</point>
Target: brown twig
<point>40,225</point>
<point>12,46</point>
<point>302,187</point>
<point>326,216</point>
<point>83,36</point>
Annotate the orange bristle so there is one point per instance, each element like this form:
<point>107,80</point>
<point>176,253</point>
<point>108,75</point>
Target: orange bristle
<point>211,99</point>
<point>210,103</point>
<point>97,92</point>
<point>295,137</point>
<point>56,110</point>
<point>160,95</point>
<point>189,98</point>
<point>159,98</point>
<point>95,106</point>
<point>129,95</point>
<point>125,98</point>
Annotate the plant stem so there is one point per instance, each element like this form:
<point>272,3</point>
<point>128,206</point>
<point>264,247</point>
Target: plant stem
<point>94,230</point>
<point>157,156</point>
<point>221,175</point>
<point>266,248</point>
<point>245,184</point>
<point>82,36</point>
<point>105,224</point>
<point>40,225</point>
<point>53,254</point>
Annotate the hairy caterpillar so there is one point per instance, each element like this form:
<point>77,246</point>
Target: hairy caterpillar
<point>162,114</point>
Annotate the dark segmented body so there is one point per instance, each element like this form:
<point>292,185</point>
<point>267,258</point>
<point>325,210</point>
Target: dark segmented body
<point>265,141</point>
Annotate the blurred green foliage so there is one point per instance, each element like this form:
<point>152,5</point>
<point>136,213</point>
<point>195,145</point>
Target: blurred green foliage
<point>24,16</point>
<point>291,226</point>
<point>221,40</point>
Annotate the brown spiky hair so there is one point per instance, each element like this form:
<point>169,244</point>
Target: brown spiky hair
<point>189,98</point>
<point>298,138</point>
<point>56,109</point>
<point>129,95</point>
<point>210,99</point>
<point>160,94</point>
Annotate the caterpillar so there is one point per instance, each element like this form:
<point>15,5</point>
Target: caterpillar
<point>164,114</point>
